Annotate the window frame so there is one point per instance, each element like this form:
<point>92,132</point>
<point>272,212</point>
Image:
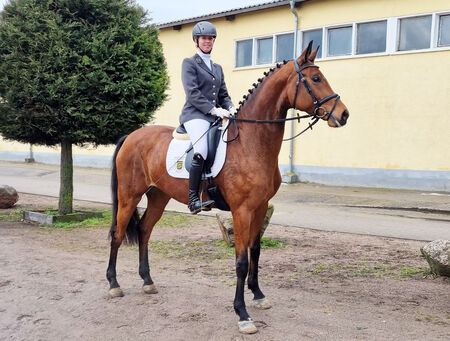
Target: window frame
<point>236,50</point>
<point>322,44</point>
<point>435,36</point>
<point>256,45</point>
<point>397,40</point>
<point>392,39</point>
<point>255,39</point>
<point>355,51</point>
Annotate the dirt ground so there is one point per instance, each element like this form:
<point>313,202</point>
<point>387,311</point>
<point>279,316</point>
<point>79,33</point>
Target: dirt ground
<point>322,285</point>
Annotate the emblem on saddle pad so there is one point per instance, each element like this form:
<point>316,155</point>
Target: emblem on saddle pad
<point>179,165</point>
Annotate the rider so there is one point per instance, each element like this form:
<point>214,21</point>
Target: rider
<point>206,99</point>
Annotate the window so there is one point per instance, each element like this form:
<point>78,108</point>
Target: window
<point>444,30</point>
<point>264,54</point>
<point>285,47</point>
<point>316,37</point>
<point>371,37</point>
<point>384,36</point>
<point>244,53</point>
<point>340,41</point>
<point>264,50</point>
<point>415,33</point>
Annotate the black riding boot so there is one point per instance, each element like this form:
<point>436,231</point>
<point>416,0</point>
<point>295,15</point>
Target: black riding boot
<point>195,177</point>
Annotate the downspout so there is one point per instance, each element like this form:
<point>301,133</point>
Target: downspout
<point>291,145</point>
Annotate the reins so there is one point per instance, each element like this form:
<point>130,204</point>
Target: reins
<point>314,116</point>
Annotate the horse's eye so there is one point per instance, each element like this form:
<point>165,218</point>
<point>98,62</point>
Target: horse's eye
<point>316,78</point>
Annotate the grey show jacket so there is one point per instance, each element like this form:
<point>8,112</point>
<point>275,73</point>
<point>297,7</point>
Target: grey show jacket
<point>204,89</point>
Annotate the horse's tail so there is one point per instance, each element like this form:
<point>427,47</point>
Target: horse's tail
<point>132,232</point>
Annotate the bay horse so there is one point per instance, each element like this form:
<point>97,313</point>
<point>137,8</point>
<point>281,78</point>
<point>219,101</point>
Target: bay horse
<point>248,179</point>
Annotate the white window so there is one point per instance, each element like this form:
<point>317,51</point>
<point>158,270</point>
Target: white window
<point>444,30</point>
<point>316,37</point>
<point>264,50</point>
<point>244,51</point>
<point>340,41</point>
<point>371,37</point>
<point>285,47</point>
<point>415,33</point>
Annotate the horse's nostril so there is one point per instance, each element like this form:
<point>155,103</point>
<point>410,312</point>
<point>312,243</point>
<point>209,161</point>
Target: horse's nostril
<point>345,116</point>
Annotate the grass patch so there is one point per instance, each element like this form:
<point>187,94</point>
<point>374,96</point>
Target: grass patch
<point>171,219</point>
<point>366,270</point>
<point>199,249</point>
<point>11,215</point>
<point>267,243</point>
<point>193,249</point>
<point>104,221</point>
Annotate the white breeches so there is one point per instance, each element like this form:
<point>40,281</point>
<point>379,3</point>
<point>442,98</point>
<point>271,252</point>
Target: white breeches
<point>195,129</point>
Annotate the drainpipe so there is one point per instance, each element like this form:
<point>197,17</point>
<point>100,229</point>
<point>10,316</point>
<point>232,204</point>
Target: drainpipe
<point>292,177</point>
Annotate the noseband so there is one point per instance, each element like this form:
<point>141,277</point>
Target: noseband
<point>318,103</point>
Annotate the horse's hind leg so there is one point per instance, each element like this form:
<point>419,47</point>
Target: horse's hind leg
<point>260,301</point>
<point>156,202</point>
<point>124,214</point>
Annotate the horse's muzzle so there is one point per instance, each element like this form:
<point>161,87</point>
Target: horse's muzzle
<point>344,117</point>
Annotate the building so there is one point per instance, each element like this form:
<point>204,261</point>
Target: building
<point>389,60</point>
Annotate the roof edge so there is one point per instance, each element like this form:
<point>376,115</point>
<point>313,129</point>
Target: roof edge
<point>251,8</point>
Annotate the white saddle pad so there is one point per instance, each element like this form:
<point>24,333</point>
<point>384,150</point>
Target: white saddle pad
<point>176,156</point>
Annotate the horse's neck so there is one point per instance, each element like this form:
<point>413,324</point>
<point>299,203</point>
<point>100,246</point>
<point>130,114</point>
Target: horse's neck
<point>268,102</point>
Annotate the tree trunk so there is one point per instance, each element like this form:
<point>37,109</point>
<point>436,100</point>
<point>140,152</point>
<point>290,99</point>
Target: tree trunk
<point>66,179</point>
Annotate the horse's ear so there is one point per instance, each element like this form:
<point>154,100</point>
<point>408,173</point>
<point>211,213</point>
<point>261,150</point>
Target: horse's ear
<point>313,55</point>
<point>306,52</point>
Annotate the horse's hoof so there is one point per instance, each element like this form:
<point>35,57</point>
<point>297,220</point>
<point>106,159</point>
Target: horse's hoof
<point>150,289</point>
<point>115,292</point>
<point>247,327</point>
<point>262,303</point>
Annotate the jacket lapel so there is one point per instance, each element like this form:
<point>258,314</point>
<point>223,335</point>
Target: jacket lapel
<point>202,64</point>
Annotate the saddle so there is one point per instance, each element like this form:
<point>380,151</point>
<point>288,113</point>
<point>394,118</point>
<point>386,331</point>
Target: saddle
<point>213,139</point>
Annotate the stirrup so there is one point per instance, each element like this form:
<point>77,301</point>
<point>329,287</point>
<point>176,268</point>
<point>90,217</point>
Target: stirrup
<point>197,206</point>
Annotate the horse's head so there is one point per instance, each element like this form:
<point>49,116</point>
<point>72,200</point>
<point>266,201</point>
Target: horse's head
<point>310,91</point>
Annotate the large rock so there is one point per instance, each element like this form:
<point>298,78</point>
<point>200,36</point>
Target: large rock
<point>437,254</point>
<point>8,196</point>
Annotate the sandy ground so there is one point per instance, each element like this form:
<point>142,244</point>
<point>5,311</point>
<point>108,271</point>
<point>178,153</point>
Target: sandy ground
<point>322,285</point>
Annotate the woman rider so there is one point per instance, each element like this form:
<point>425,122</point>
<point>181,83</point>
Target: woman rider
<point>206,99</point>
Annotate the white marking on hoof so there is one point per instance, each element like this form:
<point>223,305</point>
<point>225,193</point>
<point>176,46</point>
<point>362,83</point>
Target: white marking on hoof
<point>247,327</point>
<point>150,289</point>
<point>262,303</point>
<point>115,292</point>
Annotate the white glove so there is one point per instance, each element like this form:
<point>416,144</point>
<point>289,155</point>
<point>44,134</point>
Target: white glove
<point>232,110</point>
<point>220,112</point>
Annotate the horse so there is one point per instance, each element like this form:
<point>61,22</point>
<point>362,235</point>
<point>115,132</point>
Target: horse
<point>249,178</point>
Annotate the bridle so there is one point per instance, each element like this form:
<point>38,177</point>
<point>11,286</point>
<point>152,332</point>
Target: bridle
<point>317,103</point>
<point>314,116</point>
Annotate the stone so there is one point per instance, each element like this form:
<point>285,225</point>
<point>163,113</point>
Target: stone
<point>226,225</point>
<point>437,254</point>
<point>8,196</point>
<point>289,178</point>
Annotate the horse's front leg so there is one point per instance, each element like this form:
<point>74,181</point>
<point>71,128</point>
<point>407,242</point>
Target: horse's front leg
<point>243,221</point>
<point>260,301</point>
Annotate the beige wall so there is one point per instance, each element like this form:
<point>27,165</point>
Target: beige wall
<point>397,102</point>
